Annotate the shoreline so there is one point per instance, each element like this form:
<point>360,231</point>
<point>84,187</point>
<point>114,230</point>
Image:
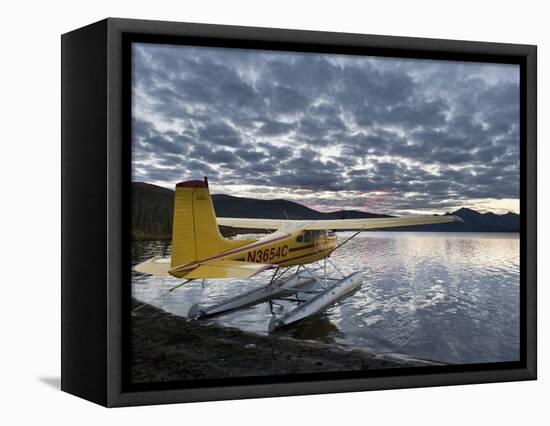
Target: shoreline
<point>168,237</point>
<point>166,347</point>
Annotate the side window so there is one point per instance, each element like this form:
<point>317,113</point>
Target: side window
<point>300,239</point>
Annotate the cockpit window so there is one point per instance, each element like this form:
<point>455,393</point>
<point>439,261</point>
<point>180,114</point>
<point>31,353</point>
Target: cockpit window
<point>311,236</point>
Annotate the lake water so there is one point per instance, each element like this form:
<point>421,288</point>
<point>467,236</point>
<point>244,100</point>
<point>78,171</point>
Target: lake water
<point>449,297</point>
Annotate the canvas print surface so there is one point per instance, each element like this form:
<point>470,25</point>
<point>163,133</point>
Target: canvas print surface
<point>297,213</point>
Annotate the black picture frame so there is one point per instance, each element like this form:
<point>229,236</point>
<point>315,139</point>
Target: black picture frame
<point>95,210</point>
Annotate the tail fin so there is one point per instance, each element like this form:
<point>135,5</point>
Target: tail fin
<point>195,232</point>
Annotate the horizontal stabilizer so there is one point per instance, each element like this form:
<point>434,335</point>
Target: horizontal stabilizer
<point>154,266</point>
<point>226,269</point>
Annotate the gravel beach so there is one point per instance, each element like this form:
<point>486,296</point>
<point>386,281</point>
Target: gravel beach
<point>170,348</point>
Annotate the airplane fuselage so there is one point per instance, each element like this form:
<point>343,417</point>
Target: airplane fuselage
<point>288,249</point>
<point>298,249</point>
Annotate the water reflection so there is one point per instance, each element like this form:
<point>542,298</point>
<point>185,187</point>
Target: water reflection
<point>443,296</point>
<point>319,328</point>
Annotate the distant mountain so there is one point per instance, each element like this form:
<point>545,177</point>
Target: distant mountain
<point>474,221</point>
<point>152,213</point>
<point>229,206</point>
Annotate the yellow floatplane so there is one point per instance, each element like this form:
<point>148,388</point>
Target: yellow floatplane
<point>200,252</point>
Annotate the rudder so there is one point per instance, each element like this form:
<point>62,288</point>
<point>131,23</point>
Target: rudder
<point>195,232</point>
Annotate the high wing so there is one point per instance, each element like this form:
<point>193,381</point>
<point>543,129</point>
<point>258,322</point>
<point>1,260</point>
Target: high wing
<point>336,224</point>
<point>271,224</point>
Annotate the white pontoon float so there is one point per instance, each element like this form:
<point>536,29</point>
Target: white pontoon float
<point>312,294</point>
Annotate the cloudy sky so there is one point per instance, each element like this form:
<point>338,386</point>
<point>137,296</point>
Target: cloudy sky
<point>386,135</point>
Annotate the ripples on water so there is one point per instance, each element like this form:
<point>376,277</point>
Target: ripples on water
<point>449,297</point>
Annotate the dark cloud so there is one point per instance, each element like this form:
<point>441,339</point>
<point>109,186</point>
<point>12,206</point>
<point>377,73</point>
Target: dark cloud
<point>250,156</point>
<point>219,133</point>
<point>276,153</point>
<point>308,122</point>
<point>218,156</point>
<point>273,128</point>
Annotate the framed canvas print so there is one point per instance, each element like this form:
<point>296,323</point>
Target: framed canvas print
<point>251,212</point>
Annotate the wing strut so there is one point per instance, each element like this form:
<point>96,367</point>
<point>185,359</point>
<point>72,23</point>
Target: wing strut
<point>345,241</point>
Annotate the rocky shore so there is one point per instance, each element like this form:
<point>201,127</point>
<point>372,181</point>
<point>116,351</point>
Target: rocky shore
<point>170,348</point>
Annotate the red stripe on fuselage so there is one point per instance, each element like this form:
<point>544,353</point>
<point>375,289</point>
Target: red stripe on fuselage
<point>230,252</point>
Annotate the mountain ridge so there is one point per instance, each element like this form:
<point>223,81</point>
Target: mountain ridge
<point>152,212</point>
